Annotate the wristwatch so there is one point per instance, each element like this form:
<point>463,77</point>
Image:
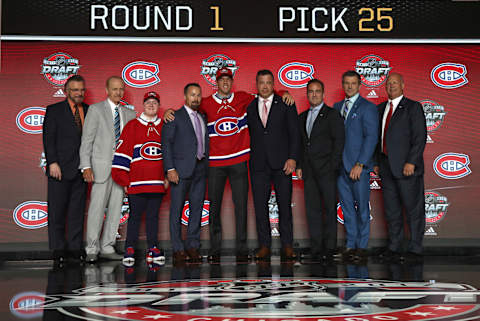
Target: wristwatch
<point>359,164</point>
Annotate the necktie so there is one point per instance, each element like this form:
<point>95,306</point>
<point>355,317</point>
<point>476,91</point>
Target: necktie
<point>265,113</point>
<point>198,133</point>
<point>345,109</point>
<point>78,120</point>
<point>387,122</point>
<point>311,120</point>
<point>116,125</point>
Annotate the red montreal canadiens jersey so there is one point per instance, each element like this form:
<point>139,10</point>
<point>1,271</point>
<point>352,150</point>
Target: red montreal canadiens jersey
<point>137,162</point>
<point>227,128</point>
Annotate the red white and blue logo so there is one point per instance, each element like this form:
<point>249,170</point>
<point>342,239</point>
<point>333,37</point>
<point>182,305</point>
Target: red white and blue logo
<point>151,151</point>
<point>226,126</point>
<point>30,120</point>
<point>449,75</point>
<point>340,217</point>
<point>452,165</point>
<point>205,213</point>
<point>31,214</point>
<point>27,305</point>
<point>215,62</point>
<point>141,74</point>
<point>295,74</point>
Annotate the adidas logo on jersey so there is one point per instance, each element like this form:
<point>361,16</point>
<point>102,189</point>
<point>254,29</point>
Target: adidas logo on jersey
<point>372,94</point>
<point>59,93</point>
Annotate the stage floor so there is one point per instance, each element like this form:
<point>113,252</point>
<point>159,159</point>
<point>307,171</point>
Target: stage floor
<point>438,288</point>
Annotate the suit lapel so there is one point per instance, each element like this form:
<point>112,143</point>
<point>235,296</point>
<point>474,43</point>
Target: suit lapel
<point>320,116</point>
<point>188,121</point>
<point>108,117</point>
<point>398,111</point>
<point>69,117</point>
<point>353,111</point>
<point>273,109</point>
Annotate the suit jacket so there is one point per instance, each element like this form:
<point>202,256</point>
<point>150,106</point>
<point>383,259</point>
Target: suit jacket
<point>61,138</point>
<point>98,139</point>
<point>277,142</point>
<point>322,151</point>
<point>361,133</point>
<point>406,136</point>
<point>179,144</point>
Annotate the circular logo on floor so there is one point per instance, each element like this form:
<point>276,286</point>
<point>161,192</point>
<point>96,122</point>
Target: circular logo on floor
<point>271,299</point>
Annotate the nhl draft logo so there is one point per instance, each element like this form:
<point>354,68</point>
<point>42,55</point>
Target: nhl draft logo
<point>273,214</point>
<point>151,151</point>
<point>434,116</point>
<point>141,74</point>
<point>31,214</point>
<point>452,165</point>
<point>215,62</point>
<point>375,181</point>
<point>30,120</point>
<point>436,206</point>
<point>58,67</point>
<point>43,162</point>
<point>287,299</point>
<point>295,74</point>
<point>26,305</point>
<point>340,217</point>
<point>449,75</point>
<point>373,70</point>
<point>125,211</point>
<point>205,213</point>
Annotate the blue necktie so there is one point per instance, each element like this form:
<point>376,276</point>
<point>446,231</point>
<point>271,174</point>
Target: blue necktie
<point>116,125</point>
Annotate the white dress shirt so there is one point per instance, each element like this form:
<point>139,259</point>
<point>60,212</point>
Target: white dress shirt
<point>112,107</point>
<point>395,103</point>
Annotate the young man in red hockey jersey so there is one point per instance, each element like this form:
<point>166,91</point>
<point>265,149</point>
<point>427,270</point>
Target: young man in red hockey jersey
<point>226,113</point>
<point>138,168</point>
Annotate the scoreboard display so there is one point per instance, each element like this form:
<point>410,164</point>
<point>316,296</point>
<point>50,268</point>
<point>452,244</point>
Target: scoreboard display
<point>163,45</point>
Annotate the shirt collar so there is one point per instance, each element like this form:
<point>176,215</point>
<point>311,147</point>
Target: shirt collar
<point>144,119</point>
<point>316,108</point>
<point>111,104</point>
<point>189,110</point>
<point>353,99</point>
<point>268,99</point>
<point>395,101</point>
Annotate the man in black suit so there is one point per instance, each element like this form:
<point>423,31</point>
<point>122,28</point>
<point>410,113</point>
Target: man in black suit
<point>274,144</point>
<point>322,135</point>
<point>403,135</point>
<point>62,132</point>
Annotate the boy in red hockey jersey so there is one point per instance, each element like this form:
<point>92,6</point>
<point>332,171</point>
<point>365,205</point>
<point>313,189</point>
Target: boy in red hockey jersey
<point>138,167</point>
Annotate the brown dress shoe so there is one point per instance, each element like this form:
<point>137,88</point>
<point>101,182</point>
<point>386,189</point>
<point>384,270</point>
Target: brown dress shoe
<point>194,256</point>
<point>263,254</point>
<point>179,257</point>
<point>288,254</point>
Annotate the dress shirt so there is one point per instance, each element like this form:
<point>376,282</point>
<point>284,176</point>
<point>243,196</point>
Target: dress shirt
<point>313,112</point>
<point>260,105</point>
<point>352,100</point>
<point>112,107</point>
<point>192,113</point>
<point>395,103</point>
<point>80,110</point>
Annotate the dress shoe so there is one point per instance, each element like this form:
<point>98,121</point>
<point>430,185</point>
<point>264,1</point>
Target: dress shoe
<point>360,255</point>
<point>288,254</point>
<point>413,257</point>
<point>76,256</point>
<point>213,258</point>
<point>390,255</point>
<point>242,257</point>
<point>59,256</point>
<point>194,256</point>
<point>91,258</point>
<point>111,256</point>
<point>263,254</point>
<point>179,257</point>
<point>348,254</point>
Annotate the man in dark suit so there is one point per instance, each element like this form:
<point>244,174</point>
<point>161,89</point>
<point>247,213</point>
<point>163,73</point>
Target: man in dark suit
<point>185,149</point>
<point>403,134</point>
<point>322,135</point>
<point>62,132</point>
<point>274,144</point>
<point>361,136</point>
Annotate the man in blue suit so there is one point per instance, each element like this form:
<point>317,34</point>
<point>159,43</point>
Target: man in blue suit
<point>361,136</point>
<point>185,154</point>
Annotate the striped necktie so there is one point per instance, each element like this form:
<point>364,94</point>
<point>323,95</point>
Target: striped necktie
<point>345,109</point>
<point>116,125</point>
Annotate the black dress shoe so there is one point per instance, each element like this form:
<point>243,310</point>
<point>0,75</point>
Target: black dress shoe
<point>348,254</point>
<point>213,258</point>
<point>413,257</point>
<point>59,256</point>
<point>390,255</point>
<point>360,255</point>
<point>76,256</point>
<point>242,257</point>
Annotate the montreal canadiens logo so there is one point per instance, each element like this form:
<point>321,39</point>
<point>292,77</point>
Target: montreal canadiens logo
<point>27,305</point>
<point>151,151</point>
<point>31,214</point>
<point>373,70</point>
<point>205,213</point>
<point>226,126</point>
<point>452,165</point>
<point>434,114</point>
<point>340,217</point>
<point>30,120</point>
<point>436,206</point>
<point>141,74</point>
<point>280,299</point>
<point>215,62</point>
<point>449,75</point>
<point>295,74</point>
<point>58,67</point>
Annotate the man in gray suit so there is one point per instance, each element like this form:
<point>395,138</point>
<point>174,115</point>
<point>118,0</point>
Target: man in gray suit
<point>101,133</point>
<point>185,159</point>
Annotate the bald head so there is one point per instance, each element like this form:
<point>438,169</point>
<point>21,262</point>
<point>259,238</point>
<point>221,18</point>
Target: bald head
<point>394,85</point>
<point>115,89</point>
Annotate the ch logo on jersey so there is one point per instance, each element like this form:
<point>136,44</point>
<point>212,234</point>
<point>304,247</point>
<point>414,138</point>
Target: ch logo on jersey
<point>340,217</point>
<point>205,213</point>
<point>452,165</point>
<point>373,70</point>
<point>212,64</point>
<point>30,120</point>
<point>58,67</point>
<point>31,214</point>
<point>151,151</point>
<point>295,74</point>
<point>226,126</point>
<point>449,75</point>
<point>436,206</point>
<point>141,74</point>
<point>27,305</point>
